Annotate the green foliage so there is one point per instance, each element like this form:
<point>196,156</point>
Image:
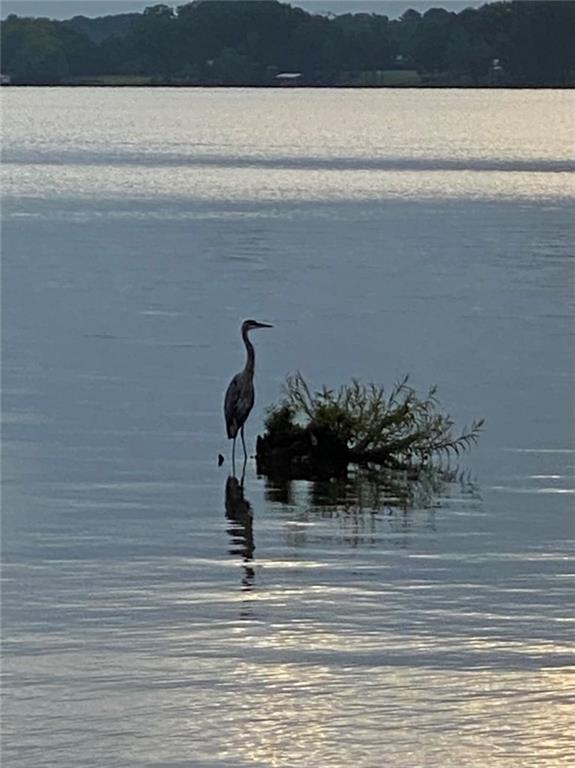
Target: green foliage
<point>247,42</point>
<point>469,55</point>
<point>372,422</point>
<point>44,51</point>
<point>280,420</point>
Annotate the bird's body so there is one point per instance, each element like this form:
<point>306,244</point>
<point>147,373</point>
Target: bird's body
<point>240,394</point>
<point>239,402</point>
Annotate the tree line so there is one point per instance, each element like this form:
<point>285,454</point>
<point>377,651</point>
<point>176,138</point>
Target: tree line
<point>528,43</point>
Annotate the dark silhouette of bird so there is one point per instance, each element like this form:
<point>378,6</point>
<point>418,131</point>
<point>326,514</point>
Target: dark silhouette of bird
<point>240,394</point>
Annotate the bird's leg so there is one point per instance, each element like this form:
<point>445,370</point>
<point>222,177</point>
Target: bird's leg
<point>234,457</point>
<point>244,444</point>
<point>243,472</point>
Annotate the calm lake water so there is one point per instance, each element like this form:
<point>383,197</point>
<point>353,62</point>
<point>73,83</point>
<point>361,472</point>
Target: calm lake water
<point>381,232</point>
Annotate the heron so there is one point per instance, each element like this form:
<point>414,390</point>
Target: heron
<point>240,394</point>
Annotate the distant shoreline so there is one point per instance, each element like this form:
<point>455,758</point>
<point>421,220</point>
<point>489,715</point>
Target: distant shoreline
<point>426,86</point>
<point>270,44</point>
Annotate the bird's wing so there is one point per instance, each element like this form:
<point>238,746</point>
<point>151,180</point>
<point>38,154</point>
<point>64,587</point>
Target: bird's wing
<point>233,394</point>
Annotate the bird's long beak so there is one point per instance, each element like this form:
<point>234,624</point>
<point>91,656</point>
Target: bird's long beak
<point>264,325</point>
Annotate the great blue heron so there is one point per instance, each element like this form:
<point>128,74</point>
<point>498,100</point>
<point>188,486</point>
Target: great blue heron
<point>240,393</point>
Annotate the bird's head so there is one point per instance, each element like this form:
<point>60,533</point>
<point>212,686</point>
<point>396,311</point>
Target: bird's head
<point>250,325</point>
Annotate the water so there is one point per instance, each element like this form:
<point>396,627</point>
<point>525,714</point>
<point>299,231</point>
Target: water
<point>381,233</point>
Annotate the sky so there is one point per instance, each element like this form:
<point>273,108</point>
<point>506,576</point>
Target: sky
<point>65,9</point>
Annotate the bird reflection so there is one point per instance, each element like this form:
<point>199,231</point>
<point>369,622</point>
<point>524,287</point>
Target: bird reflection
<point>241,531</point>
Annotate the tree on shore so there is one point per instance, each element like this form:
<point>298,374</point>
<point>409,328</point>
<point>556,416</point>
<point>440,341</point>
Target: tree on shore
<point>44,51</point>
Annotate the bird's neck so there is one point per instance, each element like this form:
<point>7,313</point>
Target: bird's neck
<point>251,357</point>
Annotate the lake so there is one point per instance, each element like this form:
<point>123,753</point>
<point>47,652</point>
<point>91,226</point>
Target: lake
<point>371,624</point>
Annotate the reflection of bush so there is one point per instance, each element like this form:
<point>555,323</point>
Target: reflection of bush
<point>373,489</point>
<point>370,503</point>
<point>319,434</point>
<point>390,489</point>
